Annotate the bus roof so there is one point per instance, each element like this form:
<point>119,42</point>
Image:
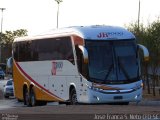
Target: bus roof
<point>94,32</point>
<point>104,32</point>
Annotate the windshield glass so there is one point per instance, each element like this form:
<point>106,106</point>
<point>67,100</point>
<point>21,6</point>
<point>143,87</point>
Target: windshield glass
<point>113,61</point>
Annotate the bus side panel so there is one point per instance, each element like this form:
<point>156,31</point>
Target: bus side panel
<point>20,79</point>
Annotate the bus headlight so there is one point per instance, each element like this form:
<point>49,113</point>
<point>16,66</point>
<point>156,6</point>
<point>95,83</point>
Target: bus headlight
<point>137,96</point>
<point>94,88</point>
<point>97,98</point>
<point>142,85</point>
<point>138,86</point>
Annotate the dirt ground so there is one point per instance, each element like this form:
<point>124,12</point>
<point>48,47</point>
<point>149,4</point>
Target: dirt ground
<point>150,96</point>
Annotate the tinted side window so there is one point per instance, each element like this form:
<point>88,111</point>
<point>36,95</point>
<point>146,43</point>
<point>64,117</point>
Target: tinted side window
<point>15,51</point>
<point>44,49</point>
<point>55,49</point>
<point>22,51</point>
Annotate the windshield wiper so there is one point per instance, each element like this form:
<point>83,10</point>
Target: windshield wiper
<point>123,69</point>
<point>109,71</point>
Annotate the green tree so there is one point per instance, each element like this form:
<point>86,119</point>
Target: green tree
<point>150,37</point>
<point>141,36</point>
<point>7,39</point>
<point>9,36</point>
<point>153,35</point>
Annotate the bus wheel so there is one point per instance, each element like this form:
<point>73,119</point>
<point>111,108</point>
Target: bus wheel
<point>42,103</point>
<point>32,98</point>
<point>26,97</point>
<point>19,100</point>
<point>73,97</point>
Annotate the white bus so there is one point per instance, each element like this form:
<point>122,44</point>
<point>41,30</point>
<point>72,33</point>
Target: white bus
<point>83,64</point>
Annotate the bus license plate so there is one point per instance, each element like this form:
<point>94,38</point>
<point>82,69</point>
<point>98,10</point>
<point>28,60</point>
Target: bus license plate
<point>118,97</point>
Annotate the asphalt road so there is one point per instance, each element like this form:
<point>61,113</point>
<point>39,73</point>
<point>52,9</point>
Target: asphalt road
<point>54,111</point>
<point>2,83</point>
<point>11,109</point>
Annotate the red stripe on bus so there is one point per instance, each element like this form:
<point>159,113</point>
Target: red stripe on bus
<point>25,74</point>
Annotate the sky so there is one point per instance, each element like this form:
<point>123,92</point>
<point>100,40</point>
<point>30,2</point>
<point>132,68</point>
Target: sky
<point>40,16</point>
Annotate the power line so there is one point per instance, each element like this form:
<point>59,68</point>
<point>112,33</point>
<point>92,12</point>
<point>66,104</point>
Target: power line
<point>139,9</point>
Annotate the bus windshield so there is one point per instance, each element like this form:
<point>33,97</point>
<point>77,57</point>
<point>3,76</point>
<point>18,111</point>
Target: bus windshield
<point>113,62</point>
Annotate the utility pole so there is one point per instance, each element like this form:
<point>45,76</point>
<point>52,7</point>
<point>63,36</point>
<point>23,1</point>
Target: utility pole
<point>58,2</point>
<point>146,63</point>
<point>139,10</point>
<point>2,9</point>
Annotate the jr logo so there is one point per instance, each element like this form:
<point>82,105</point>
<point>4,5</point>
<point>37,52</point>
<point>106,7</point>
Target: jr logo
<point>56,66</point>
<point>102,35</point>
<point>107,34</point>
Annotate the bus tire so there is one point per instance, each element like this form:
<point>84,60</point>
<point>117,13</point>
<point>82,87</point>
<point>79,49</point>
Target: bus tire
<point>26,97</point>
<point>6,96</point>
<point>19,100</point>
<point>33,101</point>
<point>42,103</point>
<point>73,97</point>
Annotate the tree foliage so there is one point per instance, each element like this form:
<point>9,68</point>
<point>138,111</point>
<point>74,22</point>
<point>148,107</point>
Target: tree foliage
<point>6,40</point>
<point>9,36</point>
<point>150,37</point>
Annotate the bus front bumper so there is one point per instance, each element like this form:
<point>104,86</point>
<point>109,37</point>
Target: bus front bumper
<point>95,96</point>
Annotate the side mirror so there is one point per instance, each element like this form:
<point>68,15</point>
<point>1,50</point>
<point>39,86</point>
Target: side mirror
<point>145,52</point>
<point>85,53</point>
